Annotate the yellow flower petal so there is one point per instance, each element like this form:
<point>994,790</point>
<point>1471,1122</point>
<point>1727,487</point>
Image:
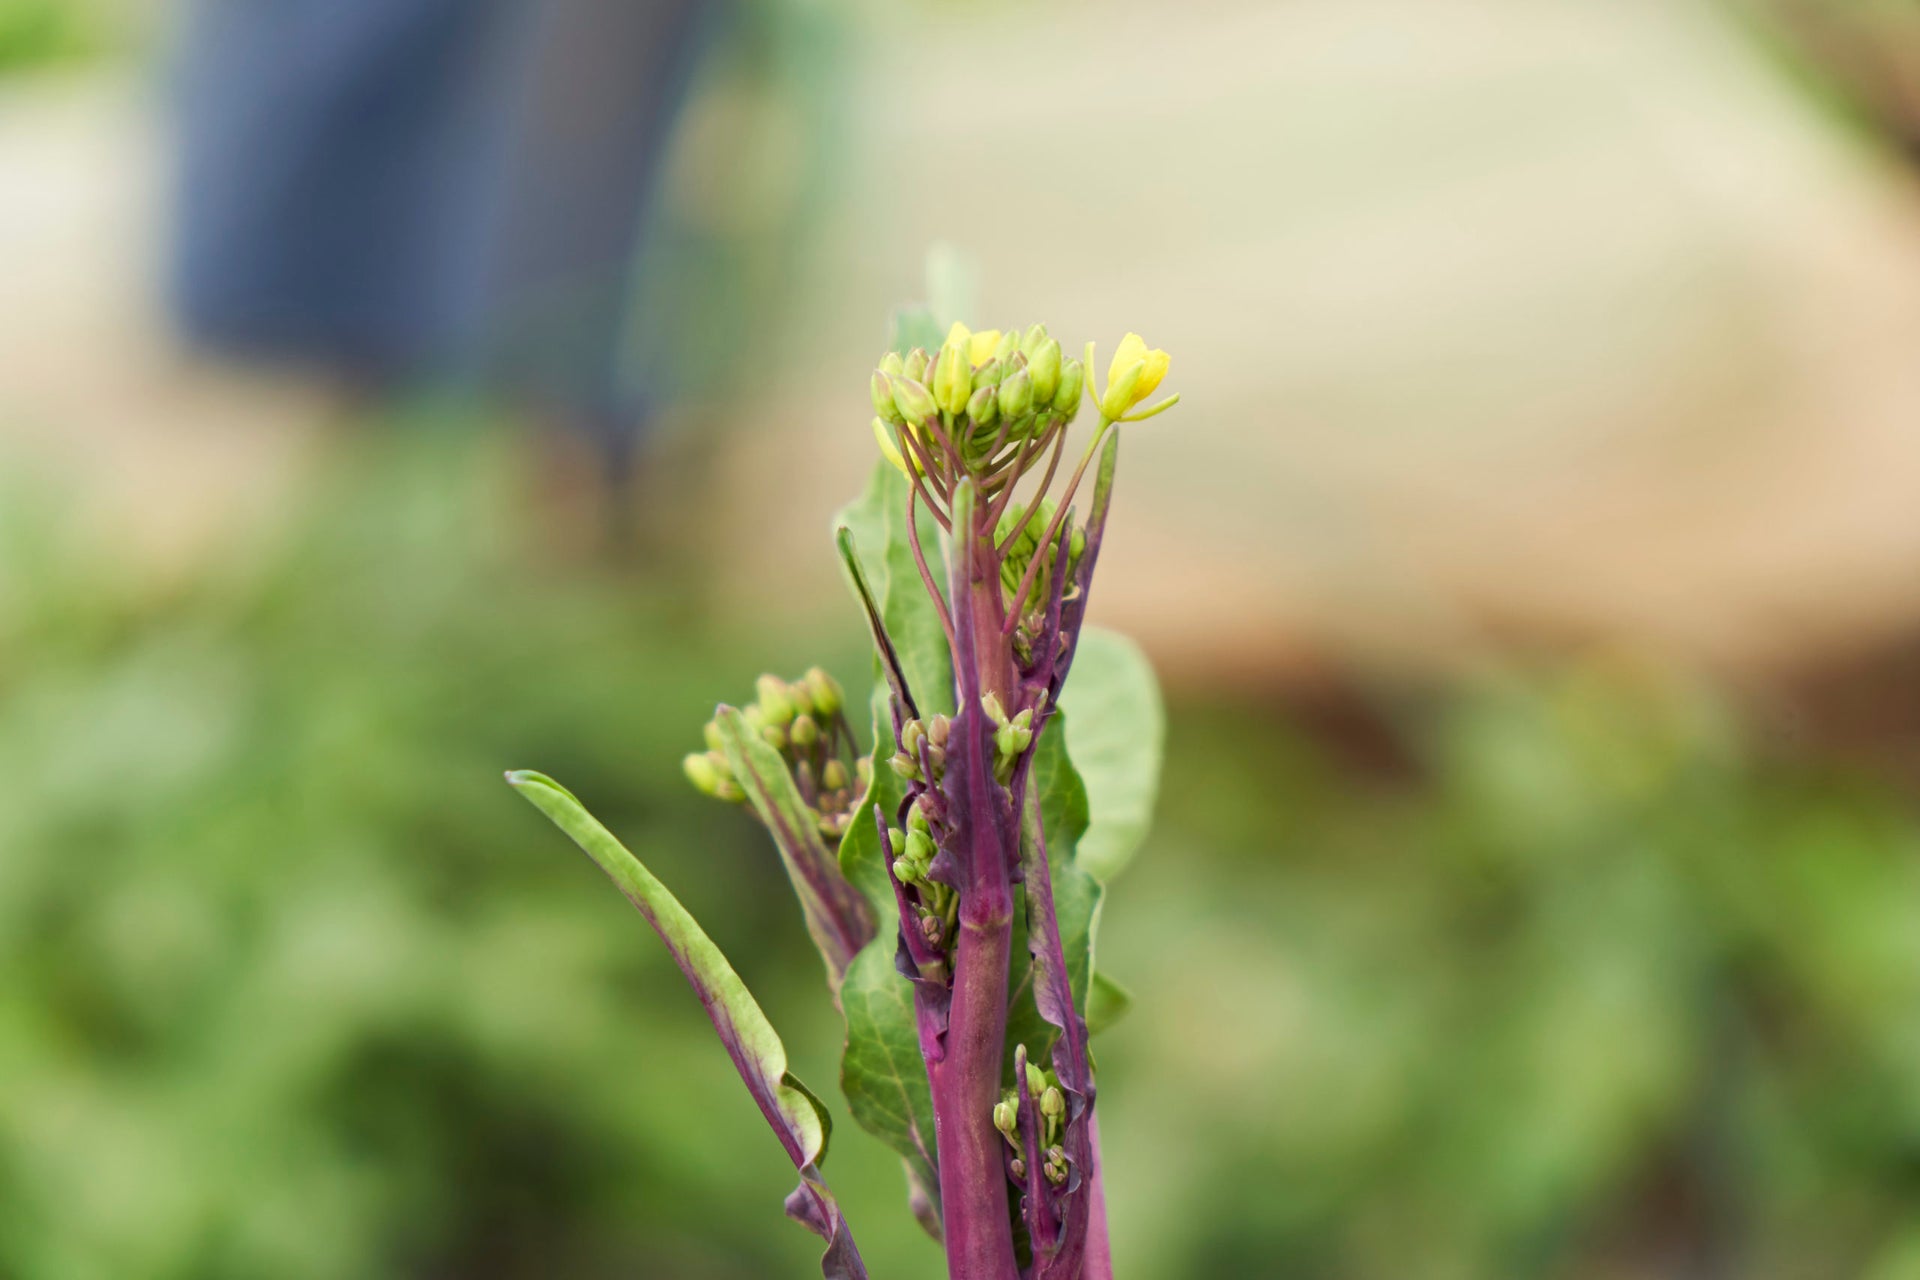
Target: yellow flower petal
<point>884,435</point>
<point>1131,351</point>
<point>981,346</point>
<point>1156,369</point>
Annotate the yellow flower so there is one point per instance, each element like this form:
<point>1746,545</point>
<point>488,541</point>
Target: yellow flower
<point>978,346</point>
<point>1132,376</point>
<point>890,449</point>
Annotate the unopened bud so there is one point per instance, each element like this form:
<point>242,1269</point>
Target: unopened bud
<point>905,765</point>
<point>892,365</point>
<point>988,374</point>
<point>774,702</point>
<point>953,376</point>
<point>915,365</point>
<point>1019,1167</point>
<point>1073,384</point>
<point>701,773</point>
<point>805,731</point>
<point>1032,340</point>
<point>775,736</point>
<point>1012,738</point>
<point>983,406</point>
<point>1006,1118</point>
<point>912,734</point>
<point>919,847</point>
<point>712,733</point>
<point>1016,394</point>
<point>881,388</point>
<point>913,400</point>
<point>1053,1103</point>
<point>990,704</point>
<point>1036,1079</point>
<point>1056,1166</point>
<point>1009,343</point>
<point>917,818</point>
<point>824,690</point>
<point>939,729</point>
<point>833,776</point>
<point>1043,365</point>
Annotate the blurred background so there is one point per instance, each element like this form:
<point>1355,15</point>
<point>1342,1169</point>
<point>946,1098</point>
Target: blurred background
<point>396,391</point>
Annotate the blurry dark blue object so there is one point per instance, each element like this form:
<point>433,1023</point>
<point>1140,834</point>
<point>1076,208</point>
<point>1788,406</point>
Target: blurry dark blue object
<point>408,191</point>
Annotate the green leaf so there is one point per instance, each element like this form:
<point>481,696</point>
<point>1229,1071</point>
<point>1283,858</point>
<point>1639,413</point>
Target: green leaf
<point>881,1072</point>
<point>877,521</point>
<point>1107,1003</point>
<point>1117,732</point>
<point>797,1117</point>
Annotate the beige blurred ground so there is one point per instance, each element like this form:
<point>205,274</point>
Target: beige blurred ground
<point>1496,321</point>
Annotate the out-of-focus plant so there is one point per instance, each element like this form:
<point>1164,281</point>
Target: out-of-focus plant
<point>941,871</point>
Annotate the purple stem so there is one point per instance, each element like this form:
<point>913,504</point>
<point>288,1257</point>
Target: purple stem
<point>966,1079</point>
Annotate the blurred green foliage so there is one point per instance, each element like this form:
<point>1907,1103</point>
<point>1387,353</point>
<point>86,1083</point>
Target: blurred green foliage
<point>1580,984</point>
<point>41,33</point>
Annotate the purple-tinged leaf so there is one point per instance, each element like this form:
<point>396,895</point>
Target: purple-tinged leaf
<point>837,917</point>
<point>796,1116</point>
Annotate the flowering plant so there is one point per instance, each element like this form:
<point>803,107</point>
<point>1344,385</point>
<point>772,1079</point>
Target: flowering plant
<point>952,874</point>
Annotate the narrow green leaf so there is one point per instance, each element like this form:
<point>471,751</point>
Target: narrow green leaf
<point>1116,733</point>
<point>1107,1003</point>
<point>797,1117</point>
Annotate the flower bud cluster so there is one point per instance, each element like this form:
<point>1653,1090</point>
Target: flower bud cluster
<point>1050,1102</point>
<point>913,848</point>
<point>804,721</point>
<point>984,397</point>
<point>1012,735</point>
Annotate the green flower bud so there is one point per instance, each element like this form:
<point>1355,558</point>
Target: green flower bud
<point>991,705</point>
<point>881,388</point>
<point>892,365</point>
<point>1012,739</point>
<point>1009,343</point>
<point>1033,340</point>
<point>1006,1117</point>
<point>774,702</point>
<point>915,366</point>
<point>983,406</point>
<point>805,731</point>
<point>825,692</point>
<point>917,819</point>
<point>1053,1103</point>
<point>919,847</point>
<point>1016,394</point>
<point>1119,395</point>
<point>988,374</point>
<point>1073,384</point>
<point>905,765</point>
<point>714,741</point>
<point>939,729</point>
<point>913,400</point>
<point>953,378</point>
<point>1056,1166</point>
<point>1044,367</point>
<point>701,773</point>
<point>775,736</point>
<point>802,697</point>
<point>833,776</point>
<point>912,734</point>
<point>1036,1079</point>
